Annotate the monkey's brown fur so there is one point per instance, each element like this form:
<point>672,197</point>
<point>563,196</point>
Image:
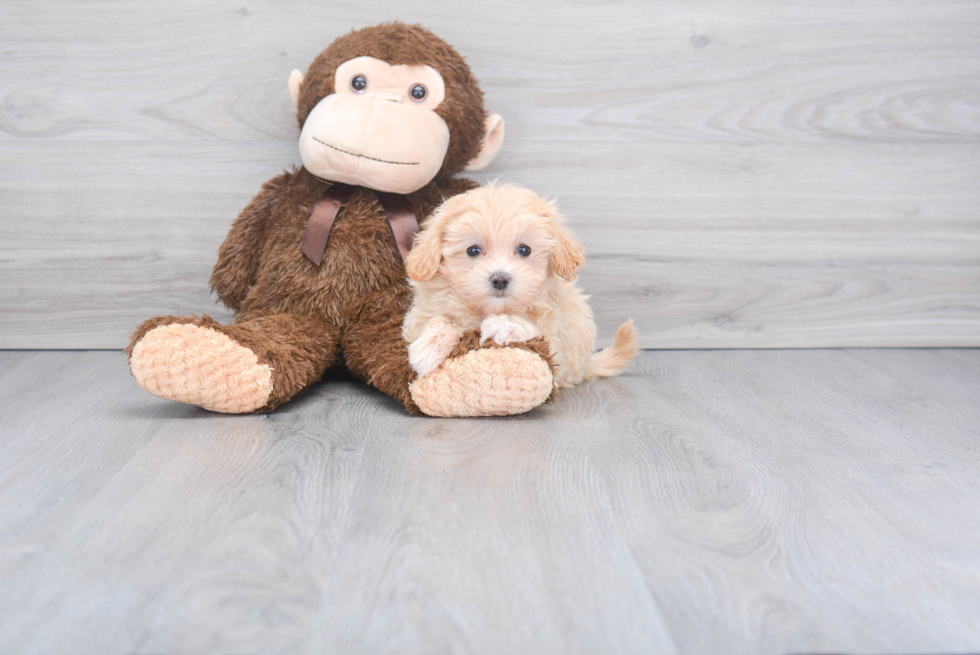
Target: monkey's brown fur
<point>299,318</point>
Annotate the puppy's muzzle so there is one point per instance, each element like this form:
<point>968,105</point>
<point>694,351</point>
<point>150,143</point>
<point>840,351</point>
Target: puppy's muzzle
<point>499,282</point>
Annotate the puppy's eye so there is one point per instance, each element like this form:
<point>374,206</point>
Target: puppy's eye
<point>523,250</point>
<point>418,92</point>
<point>473,251</point>
<point>358,84</point>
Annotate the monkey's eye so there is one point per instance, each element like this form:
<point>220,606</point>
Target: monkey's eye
<point>358,84</point>
<point>418,92</point>
<point>473,251</point>
<point>523,250</point>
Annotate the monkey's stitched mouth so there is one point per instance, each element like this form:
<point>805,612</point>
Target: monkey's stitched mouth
<point>354,154</point>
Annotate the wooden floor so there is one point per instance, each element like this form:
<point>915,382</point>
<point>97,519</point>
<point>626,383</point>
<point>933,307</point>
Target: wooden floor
<point>706,502</point>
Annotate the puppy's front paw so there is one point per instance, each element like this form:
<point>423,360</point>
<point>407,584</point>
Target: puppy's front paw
<point>433,346</point>
<point>505,329</point>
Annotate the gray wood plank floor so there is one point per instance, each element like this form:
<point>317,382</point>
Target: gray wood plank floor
<point>705,502</point>
<point>744,174</point>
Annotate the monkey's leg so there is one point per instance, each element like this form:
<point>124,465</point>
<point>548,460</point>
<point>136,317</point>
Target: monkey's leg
<point>375,351</point>
<point>254,364</point>
<point>488,380</point>
<point>474,380</point>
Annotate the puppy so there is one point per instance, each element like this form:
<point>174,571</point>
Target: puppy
<point>499,258</point>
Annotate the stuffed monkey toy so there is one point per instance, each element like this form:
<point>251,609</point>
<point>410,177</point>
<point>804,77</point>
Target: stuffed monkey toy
<point>314,265</point>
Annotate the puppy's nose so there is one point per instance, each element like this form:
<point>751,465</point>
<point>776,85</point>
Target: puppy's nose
<point>499,281</point>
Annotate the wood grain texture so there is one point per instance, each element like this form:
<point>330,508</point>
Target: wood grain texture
<point>763,174</point>
<point>707,501</point>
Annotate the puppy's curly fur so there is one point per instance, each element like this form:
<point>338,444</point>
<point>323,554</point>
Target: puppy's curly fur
<point>500,259</point>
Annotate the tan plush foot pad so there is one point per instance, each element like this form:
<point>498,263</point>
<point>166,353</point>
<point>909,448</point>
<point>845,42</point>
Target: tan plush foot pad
<point>488,381</point>
<point>201,366</point>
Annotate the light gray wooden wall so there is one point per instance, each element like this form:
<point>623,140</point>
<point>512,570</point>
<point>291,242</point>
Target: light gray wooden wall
<point>758,173</point>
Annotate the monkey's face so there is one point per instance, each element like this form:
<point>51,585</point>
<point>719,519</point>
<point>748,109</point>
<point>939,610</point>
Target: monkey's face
<point>379,128</point>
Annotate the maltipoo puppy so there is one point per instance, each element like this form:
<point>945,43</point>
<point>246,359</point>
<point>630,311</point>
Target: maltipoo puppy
<point>499,258</point>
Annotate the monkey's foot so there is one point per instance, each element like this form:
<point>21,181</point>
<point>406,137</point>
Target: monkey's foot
<point>487,381</point>
<point>201,366</point>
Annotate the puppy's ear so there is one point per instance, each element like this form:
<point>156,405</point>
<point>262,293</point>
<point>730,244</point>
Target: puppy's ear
<point>423,260</point>
<point>568,255</point>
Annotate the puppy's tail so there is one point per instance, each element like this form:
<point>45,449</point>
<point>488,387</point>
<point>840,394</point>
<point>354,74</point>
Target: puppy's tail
<point>614,359</point>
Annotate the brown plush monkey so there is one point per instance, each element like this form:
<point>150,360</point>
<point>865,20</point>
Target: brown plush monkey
<point>314,265</point>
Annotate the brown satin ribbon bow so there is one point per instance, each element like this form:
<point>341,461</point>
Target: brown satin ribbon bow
<point>401,217</point>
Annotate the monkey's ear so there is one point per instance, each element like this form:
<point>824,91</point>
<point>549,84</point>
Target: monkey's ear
<point>425,256</point>
<point>295,79</point>
<point>568,255</point>
<point>493,138</point>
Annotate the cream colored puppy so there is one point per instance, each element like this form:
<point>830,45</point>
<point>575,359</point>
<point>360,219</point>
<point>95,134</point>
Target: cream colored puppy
<point>499,258</point>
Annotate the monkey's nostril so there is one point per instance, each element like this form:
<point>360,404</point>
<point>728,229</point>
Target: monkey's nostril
<point>499,281</point>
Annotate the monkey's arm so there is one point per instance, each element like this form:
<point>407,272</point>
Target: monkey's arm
<point>238,257</point>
